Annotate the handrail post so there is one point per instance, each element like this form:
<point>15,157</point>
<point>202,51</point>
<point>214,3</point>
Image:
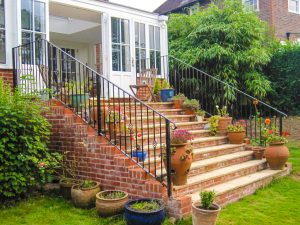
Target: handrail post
<point>98,104</point>
<point>168,155</point>
<point>280,125</point>
<point>15,76</point>
<point>50,66</point>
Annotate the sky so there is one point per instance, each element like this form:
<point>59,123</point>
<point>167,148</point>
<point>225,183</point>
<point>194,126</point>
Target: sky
<point>148,5</point>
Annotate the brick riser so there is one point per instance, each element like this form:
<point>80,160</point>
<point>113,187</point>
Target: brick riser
<point>212,154</point>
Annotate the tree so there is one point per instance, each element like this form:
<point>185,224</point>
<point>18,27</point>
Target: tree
<point>226,41</point>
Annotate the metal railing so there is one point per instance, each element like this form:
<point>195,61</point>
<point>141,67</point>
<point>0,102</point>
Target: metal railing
<point>137,130</point>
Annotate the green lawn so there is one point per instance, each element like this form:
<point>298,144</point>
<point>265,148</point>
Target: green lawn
<point>277,204</point>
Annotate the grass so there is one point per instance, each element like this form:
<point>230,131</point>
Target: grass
<point>276,204</point>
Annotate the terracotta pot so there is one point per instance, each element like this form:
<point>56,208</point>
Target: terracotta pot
<point>65,186</point>
<point>84,197</point>
<point>203,216</point>
<point>178,103</point>
<point>190,112</point>
<point>103,114</point>
<point>180,167</point>
<point>223,123</point>
<point>109,207</point>
<point>258,152</point>
<point>236,137</point>
<point>277,155</point>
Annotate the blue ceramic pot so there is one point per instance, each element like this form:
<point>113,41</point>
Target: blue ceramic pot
<point>140,155</point>
<point>79,99</point>
<point>133,217</point>
<point>166,95</point>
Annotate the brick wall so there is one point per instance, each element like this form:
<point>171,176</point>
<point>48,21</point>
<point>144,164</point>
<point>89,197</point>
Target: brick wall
<point>7,76</point>
<point>276,13</point>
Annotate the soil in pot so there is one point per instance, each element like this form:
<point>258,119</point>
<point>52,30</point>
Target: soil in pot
<point>65,185</point>
<point>84,197</point>
<point>236,137</point>
<point>109,203</point>
<point>277,155</point>
<point>145,212</point>
<point>223,123</point>
<point>202,216</point>
<point>258,152</point>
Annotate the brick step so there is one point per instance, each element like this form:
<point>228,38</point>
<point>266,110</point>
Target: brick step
<point>219,176</point>
<point>165,112</point>
<point>154,105</point>
<point>174,118</point>
<point>236,189</point>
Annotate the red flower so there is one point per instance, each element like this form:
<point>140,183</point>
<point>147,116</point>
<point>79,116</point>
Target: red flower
<point>255,102</point>
<point>42,165</point>
<point>132,138</point>
<point>139,135</point>
<point>285,134</point>
<point>271,131</point>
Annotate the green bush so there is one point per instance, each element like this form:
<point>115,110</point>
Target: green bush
<point>25,161</point>
<point>284,73</point>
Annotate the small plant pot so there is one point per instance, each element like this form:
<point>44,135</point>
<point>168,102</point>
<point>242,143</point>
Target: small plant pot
<point>236,137</point>
<point>109,207</point>
<point>166,95</point>
<point>258,152</point>
<point>277,155</point>
<point>84,197</point>
<point>189,111</point>
<point>141,155</point>
<point>79,99</point>
<point>205,217</point>
<point>134,217</point>
<point>65,186</point>
<point>178,103</point>
<point>223,123</point>
<point>200,118</point>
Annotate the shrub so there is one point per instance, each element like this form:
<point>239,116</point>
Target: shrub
<point>235,128</point>
<point>207,199</point>
<point>24,157</point>
<point>191,104</point>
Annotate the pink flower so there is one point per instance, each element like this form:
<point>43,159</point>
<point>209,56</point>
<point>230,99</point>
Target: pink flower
<point>42,165</point>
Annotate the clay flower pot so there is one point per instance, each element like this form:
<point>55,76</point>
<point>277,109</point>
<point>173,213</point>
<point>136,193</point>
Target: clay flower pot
<point>205,217</point>
<point>258,152</point>
<point>84,197</point>
<point>236,137</point>
<point>181,161</point>
<point>65,186</point>
<point>277,155</point>
<point>178,103</point>
<point>190,111</point>
<point>110,206</point>
<point>223,123</point>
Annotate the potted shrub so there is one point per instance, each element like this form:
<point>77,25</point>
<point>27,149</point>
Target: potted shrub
<point>157,88</point>
<point>224,121</point>
<point>214,122</point>
<point>178,101</point>
<point>258,150</point>
<point>276,152</point>
<point>181,156</point>
<point>84,194</point>
<point>200,114</point>
<point>236,134</point>
<point>109,203</point>
<point>112,120</point>
<point>205,212</point>
<point>166,92</point>
<point>145,211</point>
<point>191,106</point>
<point>78,92</point>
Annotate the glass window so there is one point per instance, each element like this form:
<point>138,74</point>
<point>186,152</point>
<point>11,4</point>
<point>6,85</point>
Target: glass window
<point>251,4</point>
<point>140,47</point>
<point>2,34</point>
<point>294,6</point>
<point>120,37</point>
<point>155,54</point>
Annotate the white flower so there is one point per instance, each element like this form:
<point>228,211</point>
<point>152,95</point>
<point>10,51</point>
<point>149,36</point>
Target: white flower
<point>217,106</point>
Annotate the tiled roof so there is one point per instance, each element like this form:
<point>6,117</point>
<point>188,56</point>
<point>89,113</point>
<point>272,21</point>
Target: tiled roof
<point>171,5</point>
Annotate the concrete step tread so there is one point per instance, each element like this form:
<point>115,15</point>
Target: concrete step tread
<point>157,117</point>
<point>216,148</point>
<point>221,172</point>
<point>238,183</point>
<point>163,124</point>
<point>149,103</point>
<point>163,134</point>
<point>211,138</point>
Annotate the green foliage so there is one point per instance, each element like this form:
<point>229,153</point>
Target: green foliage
<point>235,128</point>
<point>159,85</point>
<point>24,157</point>
<point>200,112</point>
<point>213,121</point>
<point>222,111</point>
<point>284,74</point>
<point>145,206</point>
<point>113,195</point>
<point>179,96</point>
<point>88,184</point>
<point>227,42</point>
<point>191,104</point>
<point>207,199</point>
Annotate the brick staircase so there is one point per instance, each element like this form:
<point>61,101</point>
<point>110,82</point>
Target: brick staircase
<point>230,170</point>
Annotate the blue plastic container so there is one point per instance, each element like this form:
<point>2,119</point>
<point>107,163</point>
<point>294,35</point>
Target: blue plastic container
<point>140,155</point>
<point>166,95</point>
<point>133,217</point>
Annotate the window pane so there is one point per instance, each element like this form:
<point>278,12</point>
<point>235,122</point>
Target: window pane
<point>39,16</point>
<point>152,59</point>
<point>115,30</point>
<point>126,63</point>
<point>293,5</point>
<point>143,59</point>
<point>2,15</point>
<point>142,36</point>
<point>116,58</point>
<point>27,52</point>
<point>157,38</point>
<point>39,49</point>
<point>158,62</point>
<point>2,47</point>
<point>26,14</point>
<point>125,31</point>
<point>136,34</point>
<point>151,37</point>
<point>26,37</point>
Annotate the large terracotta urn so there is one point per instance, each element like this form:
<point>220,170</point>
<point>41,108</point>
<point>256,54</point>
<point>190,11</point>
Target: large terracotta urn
<point>223,123</point>
<point>277,155</point>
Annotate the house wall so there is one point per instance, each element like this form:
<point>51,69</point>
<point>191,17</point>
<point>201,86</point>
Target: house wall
<point>7,76</point>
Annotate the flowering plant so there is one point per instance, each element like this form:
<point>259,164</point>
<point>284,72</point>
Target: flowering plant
<point>271,134</point>
<point>222,111</point>
<point>181,137</point>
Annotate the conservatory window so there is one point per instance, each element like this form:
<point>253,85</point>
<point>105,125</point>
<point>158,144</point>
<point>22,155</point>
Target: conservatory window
<point>252,5</point>
<point>140,47</point>
<point>155,54</point>
<point>2,34</point>
<point>294,6</point>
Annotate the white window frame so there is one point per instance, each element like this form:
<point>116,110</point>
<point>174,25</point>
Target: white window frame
<point>139,47</point>
<point>154,49</point>
<point>5,35</point>
<point>251,6</point>
<point>291,11</point>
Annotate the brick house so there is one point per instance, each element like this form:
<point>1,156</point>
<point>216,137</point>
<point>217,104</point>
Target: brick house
<point>282,15</point>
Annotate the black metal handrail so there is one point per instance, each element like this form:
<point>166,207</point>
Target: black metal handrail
<point>139,131</point>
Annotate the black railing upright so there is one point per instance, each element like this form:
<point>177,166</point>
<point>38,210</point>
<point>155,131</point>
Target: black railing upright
<point>137,130</point>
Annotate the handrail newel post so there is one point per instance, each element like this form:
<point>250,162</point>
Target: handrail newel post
<point>15,76</point>
<point>49,70</point>
<point>98,104</point>
<point>168,158</point>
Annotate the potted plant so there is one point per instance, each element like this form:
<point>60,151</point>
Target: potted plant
<point>84,194</point>
<point>258,150</point>
<point>222,119</point>
<point>157,88</point>
<point>276,152</point>
<point>145,211</point>
<point>190,106</point>
<point>181,156</point>
<point>113,119</point>
<point>139,153</point>
<point>206,211</point>
<point>111,202</point>
<point>78,92</point>
<point>178,101</point>
<point>236,134</point>
<point>166,92</point>
<point>200,114</point>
